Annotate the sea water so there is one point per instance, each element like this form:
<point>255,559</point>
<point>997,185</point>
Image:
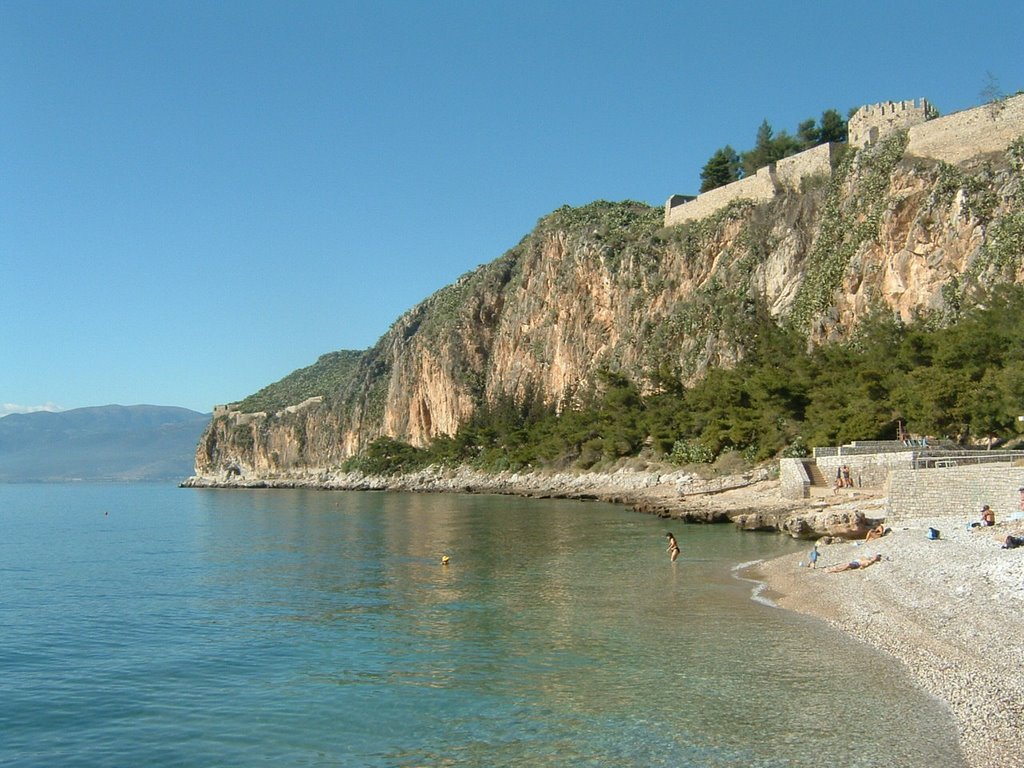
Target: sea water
<point>151,625</point>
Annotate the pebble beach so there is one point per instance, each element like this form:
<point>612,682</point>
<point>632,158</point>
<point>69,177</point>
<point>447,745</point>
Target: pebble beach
<point>949,609</point>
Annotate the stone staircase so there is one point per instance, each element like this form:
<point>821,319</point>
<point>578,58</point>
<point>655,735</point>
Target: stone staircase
<point>819,483</point>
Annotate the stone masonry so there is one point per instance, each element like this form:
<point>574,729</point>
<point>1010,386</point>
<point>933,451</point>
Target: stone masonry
<point>867,470</point>
<point>769,181</point>
<point>955,491</point>
<point>963,135</point>
<point>952,139</point>
<point>874,122</point>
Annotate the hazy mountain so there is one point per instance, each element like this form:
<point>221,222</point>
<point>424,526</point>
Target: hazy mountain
<point>111,442</point>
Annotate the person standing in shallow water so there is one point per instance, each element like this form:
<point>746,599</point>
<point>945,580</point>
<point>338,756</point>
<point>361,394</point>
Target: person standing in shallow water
<point>673,547</point>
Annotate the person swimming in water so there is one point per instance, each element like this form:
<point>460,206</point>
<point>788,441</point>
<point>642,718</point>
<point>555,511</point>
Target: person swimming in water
<point>673,547</point>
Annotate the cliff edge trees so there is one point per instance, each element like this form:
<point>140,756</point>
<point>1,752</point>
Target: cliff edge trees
<point>962,381</point>
<point>726,165</point>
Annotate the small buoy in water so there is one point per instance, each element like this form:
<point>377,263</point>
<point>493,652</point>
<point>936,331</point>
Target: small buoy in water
<point>444,559</point>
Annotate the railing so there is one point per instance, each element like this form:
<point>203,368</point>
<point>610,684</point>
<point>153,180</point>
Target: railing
<point>948,459</point>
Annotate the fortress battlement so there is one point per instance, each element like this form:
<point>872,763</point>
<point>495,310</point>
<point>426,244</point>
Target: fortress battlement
<point>873,122</point>
<point>951,139</point>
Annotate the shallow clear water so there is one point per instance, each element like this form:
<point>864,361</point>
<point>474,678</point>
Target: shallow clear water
<point>150,625</point>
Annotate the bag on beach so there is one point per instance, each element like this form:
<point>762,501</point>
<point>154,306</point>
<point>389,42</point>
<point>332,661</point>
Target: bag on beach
<point>933,533</point>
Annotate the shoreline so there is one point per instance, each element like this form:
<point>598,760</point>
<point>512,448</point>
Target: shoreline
<point>948,610</point>
<point>751,500</point>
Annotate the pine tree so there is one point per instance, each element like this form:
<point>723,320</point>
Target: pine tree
<point>723,168</point>
<point>833,127</point>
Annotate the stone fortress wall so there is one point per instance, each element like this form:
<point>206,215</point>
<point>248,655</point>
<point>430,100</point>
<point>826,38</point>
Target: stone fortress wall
<point>758,188</point>
<point>963,135</point>
<point>953,139</point>
<point>875,121</point>
<point>768,182</point>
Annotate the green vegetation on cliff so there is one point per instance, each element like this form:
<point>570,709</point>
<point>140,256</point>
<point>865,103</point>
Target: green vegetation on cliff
<point>849,221</point>
<point>604,335</point>
<point>328,375</point>
<point>961,381</point>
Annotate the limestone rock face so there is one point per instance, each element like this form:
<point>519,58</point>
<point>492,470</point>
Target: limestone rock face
<point>607,286</point>
<point>845,524</point>
<point>837,524</point>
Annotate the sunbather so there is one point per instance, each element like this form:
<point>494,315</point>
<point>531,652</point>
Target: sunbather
<point>853,565</point>
<point>876,533</point>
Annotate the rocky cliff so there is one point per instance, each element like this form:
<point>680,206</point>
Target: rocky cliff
<point>608,286</point>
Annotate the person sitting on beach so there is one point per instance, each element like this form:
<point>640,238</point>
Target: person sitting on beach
<point>988,517</point>
<point>853,565</point>
<point>876,533</point>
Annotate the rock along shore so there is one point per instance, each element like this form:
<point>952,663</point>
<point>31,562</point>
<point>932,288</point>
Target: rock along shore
<point>750,500</point>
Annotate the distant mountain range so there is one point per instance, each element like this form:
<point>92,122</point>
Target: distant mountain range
<point>109,443</point>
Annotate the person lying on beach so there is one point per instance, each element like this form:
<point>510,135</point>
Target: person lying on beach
<point>876,533</point>
<point>853,565</point>
<point>1012,542</point>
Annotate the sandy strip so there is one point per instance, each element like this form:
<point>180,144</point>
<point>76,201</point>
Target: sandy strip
<point>951,610</point>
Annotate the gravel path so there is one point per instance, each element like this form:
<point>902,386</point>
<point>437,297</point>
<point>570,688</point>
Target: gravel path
<point>949,609</point>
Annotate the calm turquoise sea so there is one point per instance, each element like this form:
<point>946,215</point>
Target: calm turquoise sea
<point>156,626</point>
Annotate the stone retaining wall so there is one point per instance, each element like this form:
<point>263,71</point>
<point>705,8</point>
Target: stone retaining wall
<point>794,482</point>
<point>866,470</point>
<point>954,491</point>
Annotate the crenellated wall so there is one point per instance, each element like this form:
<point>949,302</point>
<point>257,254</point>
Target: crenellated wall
<point>953,139</point>
<point>873,122</point>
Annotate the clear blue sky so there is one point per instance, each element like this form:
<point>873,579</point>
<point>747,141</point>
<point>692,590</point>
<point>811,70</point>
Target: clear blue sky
<point>197,198</point>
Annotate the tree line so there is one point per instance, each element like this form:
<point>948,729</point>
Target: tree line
<point>727,165</point>
<point>963,382</point>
